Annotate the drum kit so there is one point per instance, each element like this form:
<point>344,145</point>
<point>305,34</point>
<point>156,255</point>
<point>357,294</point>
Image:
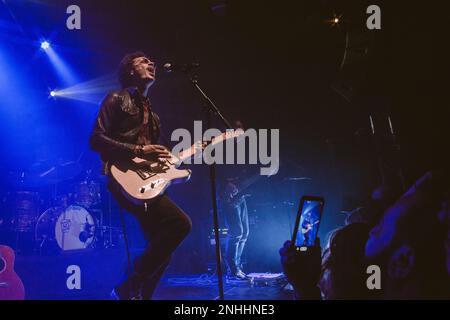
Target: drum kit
<point>55,207</point>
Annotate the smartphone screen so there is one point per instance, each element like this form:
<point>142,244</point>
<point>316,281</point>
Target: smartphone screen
<point>308,220</point>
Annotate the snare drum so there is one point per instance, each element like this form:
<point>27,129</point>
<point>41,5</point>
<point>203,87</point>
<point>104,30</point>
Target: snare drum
<point>86,193</point>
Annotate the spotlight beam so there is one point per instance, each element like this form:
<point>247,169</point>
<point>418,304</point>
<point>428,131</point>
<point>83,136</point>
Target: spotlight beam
<point>91,91</point>
<point>63,70</point>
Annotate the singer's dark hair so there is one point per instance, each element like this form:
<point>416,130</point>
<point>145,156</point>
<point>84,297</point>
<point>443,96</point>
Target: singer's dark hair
<point>125,67</point>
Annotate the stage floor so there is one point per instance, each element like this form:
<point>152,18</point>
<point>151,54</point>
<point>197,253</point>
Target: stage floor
<point>186,287</point>
<point>47,277</point>
<point>202,287</point>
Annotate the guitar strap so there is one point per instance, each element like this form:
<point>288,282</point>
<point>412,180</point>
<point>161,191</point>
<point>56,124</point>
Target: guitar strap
<point>145,135</point>
<point>146,131</point>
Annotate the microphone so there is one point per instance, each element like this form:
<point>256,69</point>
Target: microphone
<point>185,67</point>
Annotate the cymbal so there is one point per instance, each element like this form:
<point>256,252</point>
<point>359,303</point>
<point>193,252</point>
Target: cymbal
<point>58,173</point>
<point>45,174</point>
<point>297,178</point>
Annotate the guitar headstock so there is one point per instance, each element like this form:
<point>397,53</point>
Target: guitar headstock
<point>198,146</point>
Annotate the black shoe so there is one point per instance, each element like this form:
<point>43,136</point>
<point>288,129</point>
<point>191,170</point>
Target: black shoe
<point>116,296</point>
<point>130,289</point>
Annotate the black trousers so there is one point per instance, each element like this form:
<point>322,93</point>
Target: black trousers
<point>164,226</point>
<point>238,230</point>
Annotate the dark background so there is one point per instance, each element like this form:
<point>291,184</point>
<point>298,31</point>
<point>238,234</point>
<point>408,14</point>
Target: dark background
<point>273,64</point>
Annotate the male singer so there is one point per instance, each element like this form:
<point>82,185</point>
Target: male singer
<point>127,127</point>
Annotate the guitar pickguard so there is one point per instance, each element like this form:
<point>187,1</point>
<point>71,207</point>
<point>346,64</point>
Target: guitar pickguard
<point>152,170</point>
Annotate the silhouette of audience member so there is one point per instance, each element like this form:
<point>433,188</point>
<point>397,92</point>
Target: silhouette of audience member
<point>381,199</point>
<point>409,244</point>
<point>444,218</point>
<point>338,274</point>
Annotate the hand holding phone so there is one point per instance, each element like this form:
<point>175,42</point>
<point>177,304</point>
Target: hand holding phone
<point>303,270</point>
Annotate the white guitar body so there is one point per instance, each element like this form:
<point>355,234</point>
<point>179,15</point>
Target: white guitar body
<point>142,180</point>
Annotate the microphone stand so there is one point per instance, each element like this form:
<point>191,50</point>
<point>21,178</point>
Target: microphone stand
<point>211,108</point>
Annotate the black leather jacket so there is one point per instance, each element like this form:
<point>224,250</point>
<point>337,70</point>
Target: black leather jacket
<point>117,125</point>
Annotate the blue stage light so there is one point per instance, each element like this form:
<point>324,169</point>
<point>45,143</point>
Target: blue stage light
<point>65,73</point>
<point>53,93</point>
<point>45,45</point>
<point>91,91</point>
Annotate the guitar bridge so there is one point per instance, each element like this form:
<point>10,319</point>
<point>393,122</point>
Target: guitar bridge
<point>145,174</point>
<point>152,170</point>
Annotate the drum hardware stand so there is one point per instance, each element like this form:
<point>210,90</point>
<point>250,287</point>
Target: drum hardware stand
<point>101,223</point>
<point>211,108</point>
<point>110,220</point>
<point>42,245</point>
<point>125,238</point>
<point>17,242</point>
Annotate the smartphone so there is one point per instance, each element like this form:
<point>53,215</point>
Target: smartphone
<point>307,222</point>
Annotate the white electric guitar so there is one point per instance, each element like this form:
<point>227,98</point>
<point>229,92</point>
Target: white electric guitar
<point>142,180</point>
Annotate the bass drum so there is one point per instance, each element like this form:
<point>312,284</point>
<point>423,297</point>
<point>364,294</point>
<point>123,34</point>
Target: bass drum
<point>73,228</point>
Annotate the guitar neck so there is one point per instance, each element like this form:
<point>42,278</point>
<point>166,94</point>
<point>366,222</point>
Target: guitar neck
<point>188,153</point>
<point>197,147</point>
